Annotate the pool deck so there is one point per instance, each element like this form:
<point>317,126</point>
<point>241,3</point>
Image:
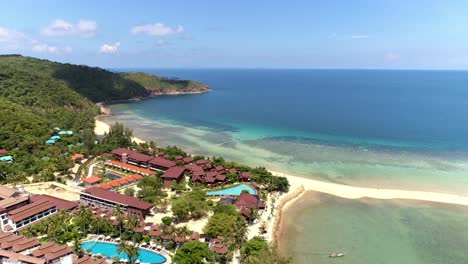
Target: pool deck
<point>163,251</point>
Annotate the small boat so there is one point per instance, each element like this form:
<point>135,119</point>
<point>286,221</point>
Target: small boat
<point>336,255</point>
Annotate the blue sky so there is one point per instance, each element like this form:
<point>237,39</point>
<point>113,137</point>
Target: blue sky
<point>395,34</point>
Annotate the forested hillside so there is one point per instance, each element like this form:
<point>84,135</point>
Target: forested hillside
<point>38,95</point>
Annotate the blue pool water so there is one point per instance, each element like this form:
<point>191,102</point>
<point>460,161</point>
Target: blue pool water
<point>236,190</point>
<point>113,176</point>
<point>110,250</point>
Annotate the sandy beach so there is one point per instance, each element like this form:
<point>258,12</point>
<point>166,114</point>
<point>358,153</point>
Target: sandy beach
<point>351,192</point>
<point>101,128</point>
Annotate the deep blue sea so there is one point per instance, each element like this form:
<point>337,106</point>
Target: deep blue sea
<point>360,127</point>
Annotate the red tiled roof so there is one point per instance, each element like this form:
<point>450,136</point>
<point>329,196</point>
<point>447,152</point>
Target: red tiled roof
<point>178,157</point>
<point>92,180</point>
<point>59,202</point>
<point>121,151</point>
<point>201,162</point>
<point>118,198</point>
<point>194,236</point>
<point>173,173</point>
<point>122,181</point>
<point>20,257</point>
<point>232,171</point>
<point>25,243</point>
<point>11,241</point>
<point>130,167</point>
<point>196,177</point>
<point>245,175</point>
<point>140,157</point>
<point>2,151</point>
<point>193,167</point>
<point>219,168</point>
<point>43,249</point>
<point>221,177</point>
<point>114,183</point>
<point>162,162</point>
<point>106,186</point>
<point>211,174</point>
<point>77,156</point>
<point>187,160</point>
<point>58,252</point>
<point>88,260</point>
<point>137,177</point>
<point>130,179</point>
<point>246,200</point>
<point>220,249</point>
<point>30,210</point>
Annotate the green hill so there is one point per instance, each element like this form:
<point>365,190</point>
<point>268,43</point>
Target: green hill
<point>38,95</point>
<point>161,85</point>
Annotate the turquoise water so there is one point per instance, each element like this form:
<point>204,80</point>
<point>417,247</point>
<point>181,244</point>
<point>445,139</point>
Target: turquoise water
<point>395,129</point>
<point>236,190</point>
<point>374,231</point>
<point>110,250</point>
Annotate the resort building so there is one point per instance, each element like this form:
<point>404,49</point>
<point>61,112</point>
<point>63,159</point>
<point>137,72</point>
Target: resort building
<point>26,215</point>
<point>8,257</point>
<point>18,209</point>
<point>53,253</point>
<point>218,245</point>
<point>161,164</point>
<point>246,200</point>
<point>139,159</point>
<point>129,167</point>
<point>17,244</point>
<point>98,197</point>
<point>89,260</point>
<point>245,176</point>
<point>11,199</point>
<point>173,174</point>
<point>92,180</point>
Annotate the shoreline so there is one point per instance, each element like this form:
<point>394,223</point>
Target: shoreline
<point>299,186</point>
<point>154,94</point>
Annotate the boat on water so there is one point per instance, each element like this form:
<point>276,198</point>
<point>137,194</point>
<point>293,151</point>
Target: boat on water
<point>336,255</point>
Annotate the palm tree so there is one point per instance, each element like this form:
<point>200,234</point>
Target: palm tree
<point>76,247</point>
<point>130,250</point>
<point>84,217</point>
<point>133,221</point>
<point>253,213</point>
<point>118,212</point>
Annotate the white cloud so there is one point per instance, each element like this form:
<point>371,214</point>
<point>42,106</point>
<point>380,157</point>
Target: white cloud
<point>11,39</point>
<point>44,48</point>
<point>359,36</point>
<point>60,27</point>
<point>158,29</point>
<point>109,48</point>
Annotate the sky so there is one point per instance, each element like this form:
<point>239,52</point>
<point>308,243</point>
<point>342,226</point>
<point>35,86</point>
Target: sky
<point>392,34</point>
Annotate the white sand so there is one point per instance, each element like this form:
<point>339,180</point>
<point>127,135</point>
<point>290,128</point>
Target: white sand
<point>350,192</point>
<point>101,128</point>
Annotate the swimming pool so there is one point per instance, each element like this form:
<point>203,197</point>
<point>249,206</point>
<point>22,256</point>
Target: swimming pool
<point>236,190</point>
<point>113,176</point>
<point>110,250</point>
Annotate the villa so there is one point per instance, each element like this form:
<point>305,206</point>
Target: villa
<point>246,200</point>
<point>98,197</point>
<point>92,180</point>
<point>173,174</point>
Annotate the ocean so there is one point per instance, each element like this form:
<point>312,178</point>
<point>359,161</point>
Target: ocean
<point>372,128</point>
